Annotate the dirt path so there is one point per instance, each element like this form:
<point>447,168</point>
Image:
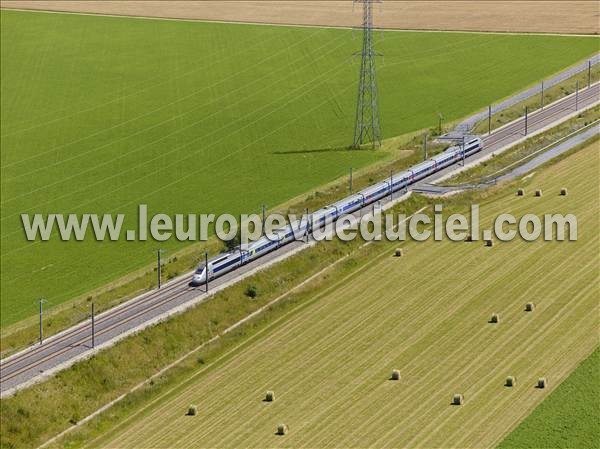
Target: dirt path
<point>574,17</point>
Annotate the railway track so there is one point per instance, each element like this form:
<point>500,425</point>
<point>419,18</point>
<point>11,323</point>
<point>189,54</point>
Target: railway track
<point>550,112</point>
<point>57,348</point>
<point>71,344</point>
<point>51,342</point>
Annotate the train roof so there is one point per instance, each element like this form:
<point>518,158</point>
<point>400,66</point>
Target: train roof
<point>348,199</point>
<point>375,187</point>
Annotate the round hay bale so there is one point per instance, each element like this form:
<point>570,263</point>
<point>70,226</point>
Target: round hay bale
<point>270,396</point>
<point>495,318</point>
<point>282,429</point>
<point>529,307</point>
<point>520,192</point>
<point>511,381</point>
<point>564,192</point>
<point>542,382</point>
<point>395,374</point>
<point>538,192</point>
<point>398,252</point>
<point>489,243</point>
<point>458,399</point>
<point>192,410</point>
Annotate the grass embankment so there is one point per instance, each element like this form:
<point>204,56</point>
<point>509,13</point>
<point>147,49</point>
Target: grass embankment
<point>329,359</point>
<point>534,103</point>
<point>494,167</point>
<point>568,418</point>
<point>100,114</point>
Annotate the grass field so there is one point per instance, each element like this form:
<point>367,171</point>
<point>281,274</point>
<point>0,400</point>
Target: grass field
<point>100,114</point>
<point>425,314</point>
<point>568,418</point>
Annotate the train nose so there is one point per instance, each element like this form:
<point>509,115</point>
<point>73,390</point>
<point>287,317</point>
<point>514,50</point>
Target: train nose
<point>197,280</point>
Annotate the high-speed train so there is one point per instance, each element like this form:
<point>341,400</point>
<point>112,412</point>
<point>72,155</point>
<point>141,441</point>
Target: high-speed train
<point>227,262</point>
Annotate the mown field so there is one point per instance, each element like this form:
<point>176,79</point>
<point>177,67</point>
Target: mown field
<point>101,114</point>
<point>425,314</point>
<point>566,16</point>
<point>568,418</point>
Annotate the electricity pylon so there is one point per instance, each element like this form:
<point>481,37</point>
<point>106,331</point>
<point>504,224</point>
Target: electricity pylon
<point>367,128</point>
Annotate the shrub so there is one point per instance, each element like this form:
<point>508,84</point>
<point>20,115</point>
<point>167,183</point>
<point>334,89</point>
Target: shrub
<point>251,291</point>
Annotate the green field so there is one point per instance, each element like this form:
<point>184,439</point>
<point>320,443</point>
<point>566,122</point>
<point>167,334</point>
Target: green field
<point>100,114</point>
<point>425,314</point>
<point>568,418</point>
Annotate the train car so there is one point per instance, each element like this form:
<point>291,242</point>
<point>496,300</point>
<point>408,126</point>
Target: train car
<point>350,204</point>
<point>375,192</point>
<point>216,267</point>
<point>323,217</point>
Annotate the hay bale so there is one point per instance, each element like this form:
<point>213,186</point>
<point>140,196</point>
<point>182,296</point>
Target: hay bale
<point>542,382</point>
<point>395,374</point>
<point>270,396</point>
<point>538,192</point>
<point>520,192</point>
<point>489,243</point>
<point>458,399</point>
<point>192,410</point>
<point>282,429</point>
<point>495,318</point>
<point>529,307</point>
<point>564,192</point>
<point>511,381</point>
<point>398,252</point>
